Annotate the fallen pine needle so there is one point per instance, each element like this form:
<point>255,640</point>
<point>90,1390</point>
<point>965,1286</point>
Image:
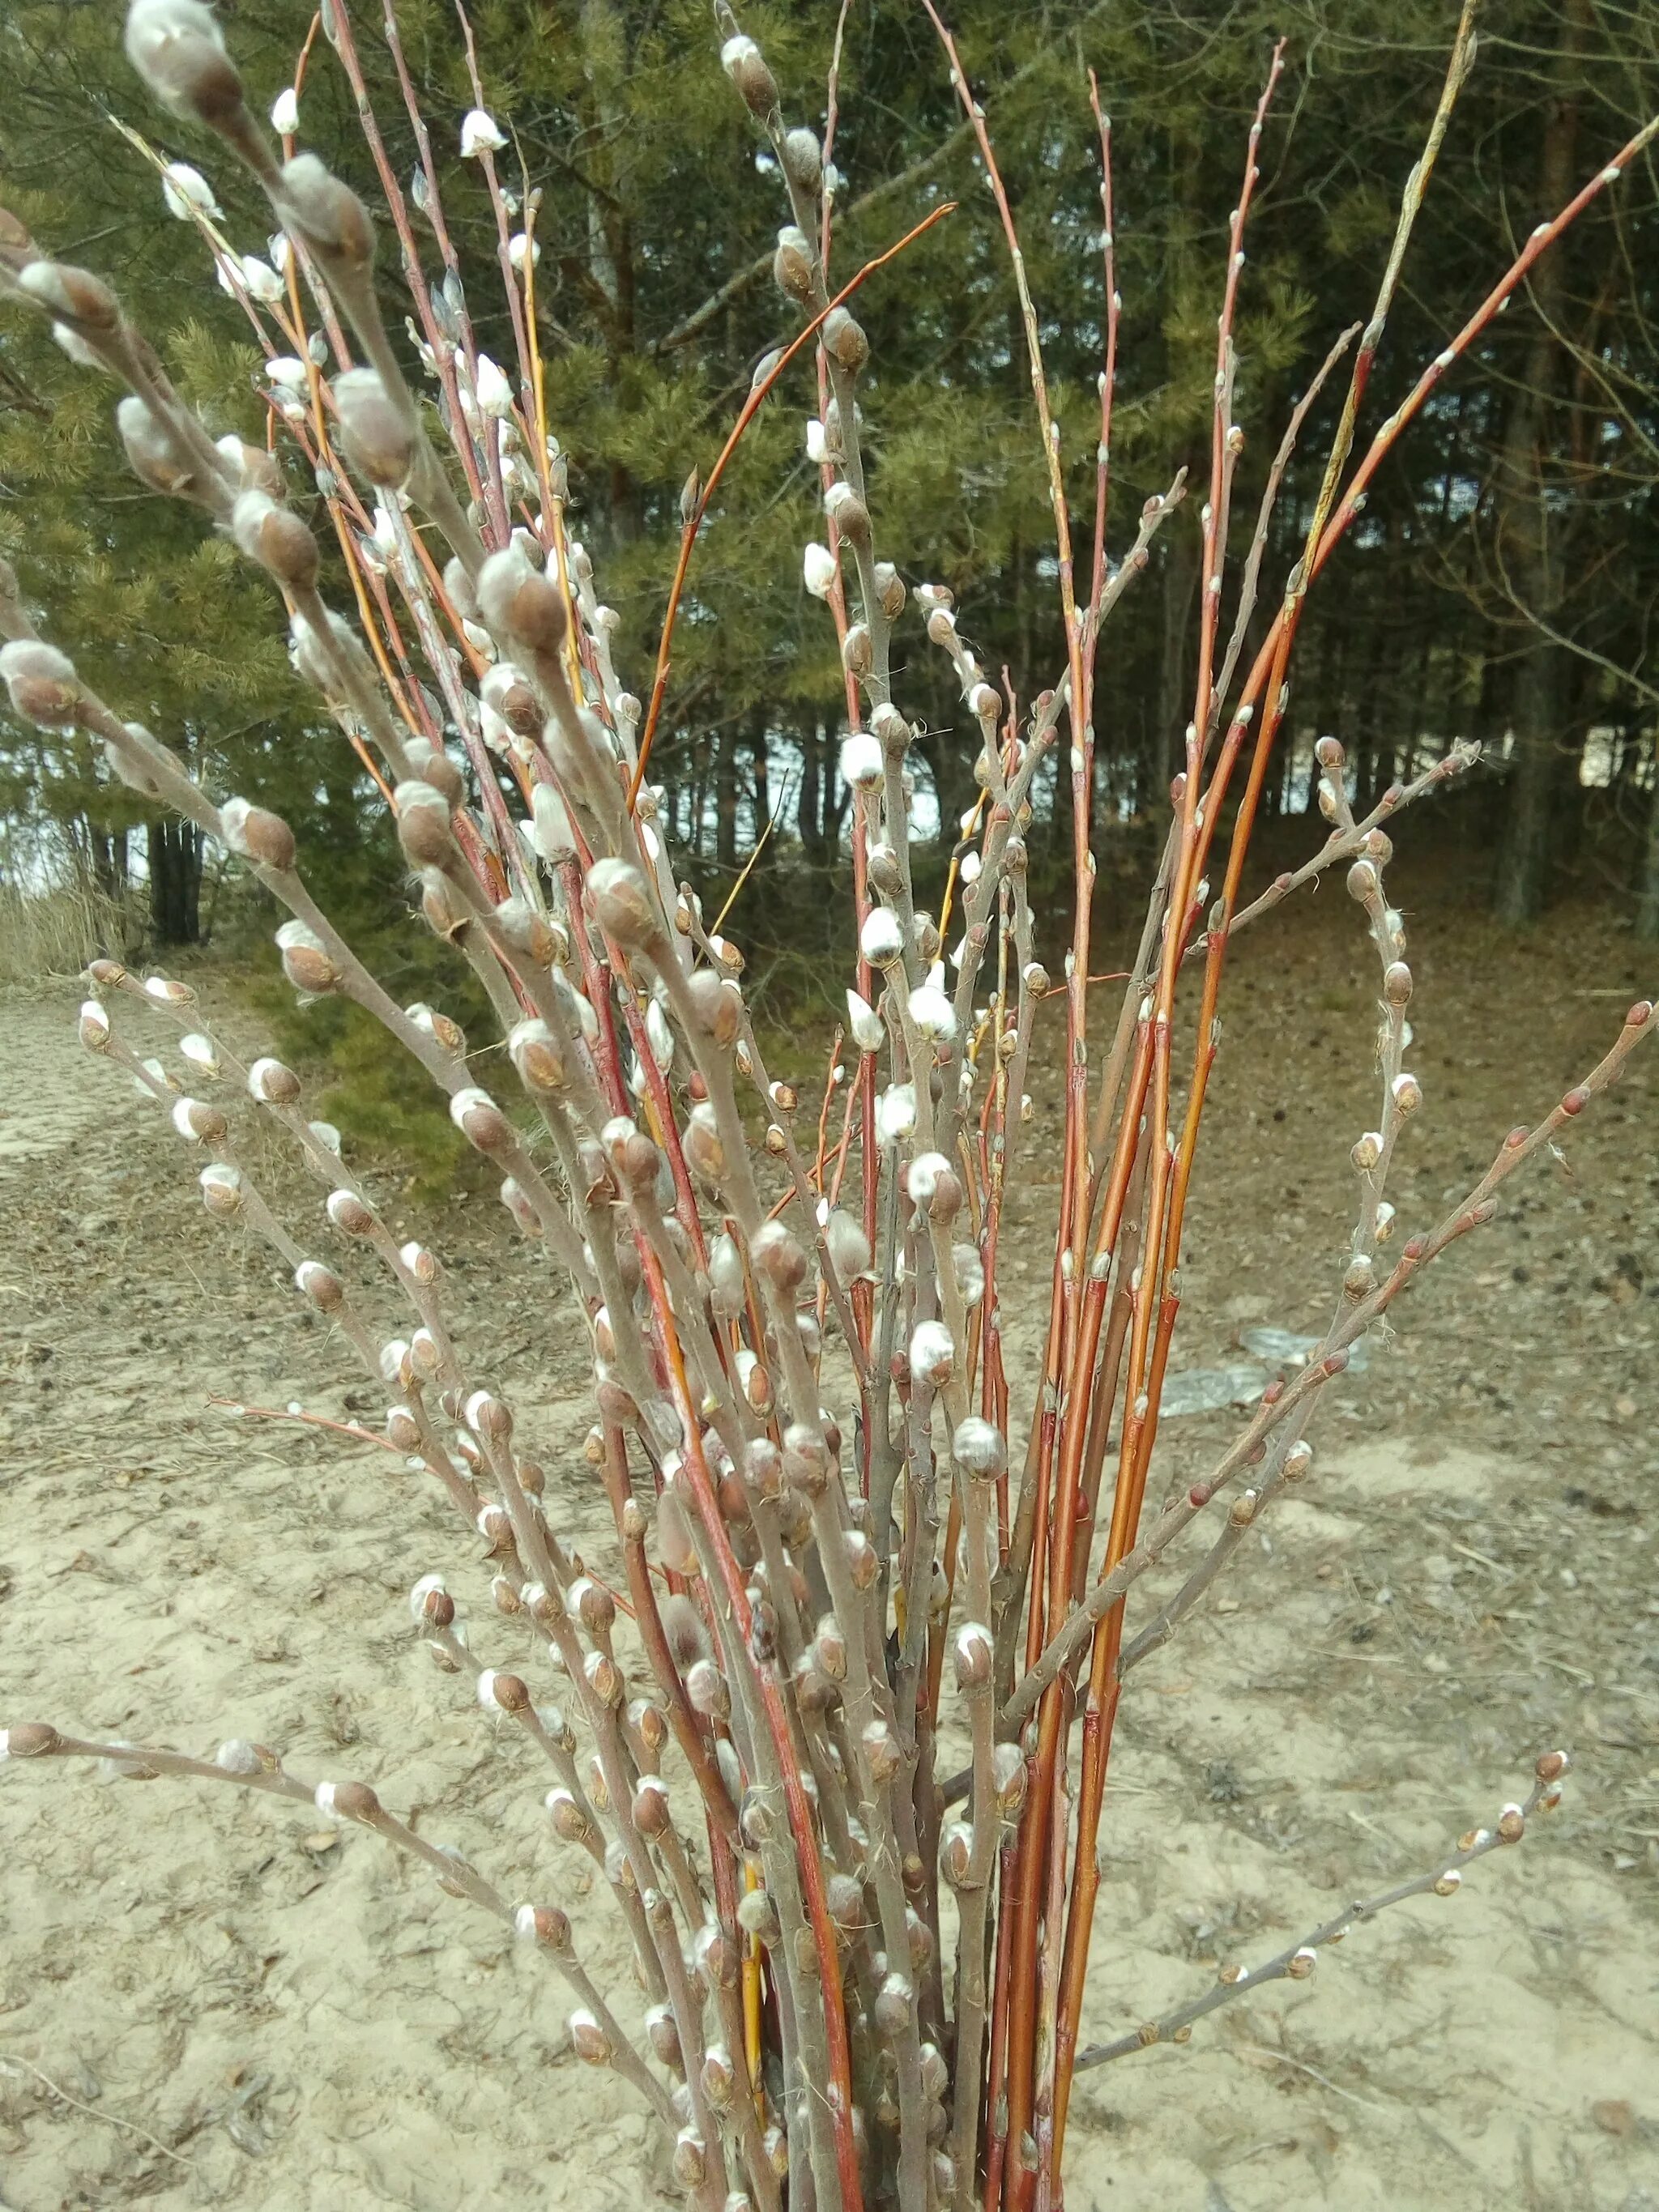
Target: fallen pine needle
<point>111,2119</point>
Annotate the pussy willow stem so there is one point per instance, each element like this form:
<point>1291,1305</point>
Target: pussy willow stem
<point>750,407</point>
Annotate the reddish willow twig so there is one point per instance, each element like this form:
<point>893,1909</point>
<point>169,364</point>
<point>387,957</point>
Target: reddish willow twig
<point>305,1419</point>
<point>1473,1210</point>
<point>808,1590</point>
<point>766,377</point>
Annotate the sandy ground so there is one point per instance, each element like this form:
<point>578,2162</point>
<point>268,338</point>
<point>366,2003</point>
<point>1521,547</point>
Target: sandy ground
<point>209,2000</point>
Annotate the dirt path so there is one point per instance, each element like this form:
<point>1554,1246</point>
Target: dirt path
<point>209,2001</point>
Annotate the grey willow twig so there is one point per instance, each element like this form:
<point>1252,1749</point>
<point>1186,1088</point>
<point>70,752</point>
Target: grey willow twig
<point>1297,1962</point>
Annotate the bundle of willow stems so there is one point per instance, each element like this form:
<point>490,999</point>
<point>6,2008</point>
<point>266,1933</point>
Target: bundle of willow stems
<point>848,1536</point>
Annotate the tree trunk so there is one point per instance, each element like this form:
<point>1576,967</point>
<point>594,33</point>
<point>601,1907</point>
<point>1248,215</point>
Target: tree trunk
<point>951,764</point>
<point>1386,702</point>
<point>1494,695</point>
<point>1647,890</point>
<point>1532,556</point>
<point>699,796</point>
<point>1177,671</point>
<point>725,798</point>
<point>809,818</point>
<point>761,768</point>
<point>109,860</point>
<point>1187,371</point>
<point>1523,855</point>
<point>1581,678</point>
<point>1335,719</point>
<point>606,60</point>
<point>175,883</point>
<point>1399,759</point>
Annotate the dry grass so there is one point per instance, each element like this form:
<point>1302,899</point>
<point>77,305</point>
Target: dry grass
<point>53,933</point>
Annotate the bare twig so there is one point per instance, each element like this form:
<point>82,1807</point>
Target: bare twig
<point>1297,1962</point>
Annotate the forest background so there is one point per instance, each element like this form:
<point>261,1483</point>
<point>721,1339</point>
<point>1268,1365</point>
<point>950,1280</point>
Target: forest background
<point>1503,585</point>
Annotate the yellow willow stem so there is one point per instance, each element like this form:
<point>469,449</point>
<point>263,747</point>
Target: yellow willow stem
<point>752,2006</point>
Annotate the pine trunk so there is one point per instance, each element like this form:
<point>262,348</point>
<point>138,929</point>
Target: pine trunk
<point>1533,558</point>
<point>175,883</point>
<point>1647,893</point>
